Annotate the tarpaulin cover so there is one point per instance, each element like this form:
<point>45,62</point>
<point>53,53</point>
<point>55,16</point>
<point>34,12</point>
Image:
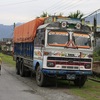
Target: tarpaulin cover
<point>27,31</point>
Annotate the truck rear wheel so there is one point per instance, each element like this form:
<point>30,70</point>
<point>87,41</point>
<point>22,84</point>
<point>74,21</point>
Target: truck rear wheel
<point>17,67</point>
<point>40,77</point>
<point>22,69</point>
<point>80,81</point>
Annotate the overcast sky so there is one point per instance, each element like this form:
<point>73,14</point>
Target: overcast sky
<point>25,10</point>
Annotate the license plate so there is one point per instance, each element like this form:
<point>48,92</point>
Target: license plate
<point>71,76</point>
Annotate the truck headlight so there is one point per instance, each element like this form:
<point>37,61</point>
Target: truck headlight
<point>51,64</point>
<point>87,66</point>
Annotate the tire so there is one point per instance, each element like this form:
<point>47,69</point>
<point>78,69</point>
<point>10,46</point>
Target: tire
<point>17,67</point>
<point>22,69</point>
<point>40,77</point>
<point>80,81</point>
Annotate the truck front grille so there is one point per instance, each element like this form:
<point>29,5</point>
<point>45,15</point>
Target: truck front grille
<point>69,59</point>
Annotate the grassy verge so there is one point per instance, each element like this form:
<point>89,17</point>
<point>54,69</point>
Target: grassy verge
<point>7,59</point>
<point>90,91</point>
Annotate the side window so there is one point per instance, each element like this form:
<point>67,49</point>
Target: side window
<point>40,37</point>
<point>36,40</point>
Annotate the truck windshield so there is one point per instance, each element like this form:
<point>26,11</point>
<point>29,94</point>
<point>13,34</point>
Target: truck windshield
<point>82,40</point>
<point>57,38</point>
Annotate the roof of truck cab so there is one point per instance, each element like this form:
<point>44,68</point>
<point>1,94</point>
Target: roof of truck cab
<point>43,26</point>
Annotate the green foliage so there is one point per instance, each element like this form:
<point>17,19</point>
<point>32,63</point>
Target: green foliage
<point>45,14</point>
<point>96,55</point>
<point>98,52</point>
<point>60,14</point>
<point>7,59</point>
<point>76,14</point>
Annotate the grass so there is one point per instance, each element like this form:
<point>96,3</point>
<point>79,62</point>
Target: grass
<point>90,91</point>
<point>7,59</point>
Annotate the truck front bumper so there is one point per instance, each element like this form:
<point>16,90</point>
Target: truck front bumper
<point>65,72</point>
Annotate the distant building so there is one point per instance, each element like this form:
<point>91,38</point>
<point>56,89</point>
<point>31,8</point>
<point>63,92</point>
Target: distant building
<point>89,19</point>
<point>92,20</point>
<point>6,45</point>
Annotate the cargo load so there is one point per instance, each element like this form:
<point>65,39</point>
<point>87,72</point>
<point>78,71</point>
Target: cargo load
<point>27,31</point>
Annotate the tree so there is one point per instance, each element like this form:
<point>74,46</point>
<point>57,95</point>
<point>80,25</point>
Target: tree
<point>76,14</point>
<point>44,14</point>
<point>60,14</point>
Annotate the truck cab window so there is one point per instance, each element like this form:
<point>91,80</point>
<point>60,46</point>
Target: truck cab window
<point>39,37</point>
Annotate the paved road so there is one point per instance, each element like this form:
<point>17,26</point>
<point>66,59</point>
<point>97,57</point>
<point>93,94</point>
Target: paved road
<point>14,87</point>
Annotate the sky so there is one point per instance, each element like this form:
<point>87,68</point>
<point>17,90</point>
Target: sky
<point>15,11</point>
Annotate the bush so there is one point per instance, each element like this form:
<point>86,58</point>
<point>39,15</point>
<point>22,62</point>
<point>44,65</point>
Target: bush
<point>96,55</point>
<point>98,52</point>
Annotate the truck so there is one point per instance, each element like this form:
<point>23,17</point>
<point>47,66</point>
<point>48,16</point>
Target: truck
<point>54,47</point>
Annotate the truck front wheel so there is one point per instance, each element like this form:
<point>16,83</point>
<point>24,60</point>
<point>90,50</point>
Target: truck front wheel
<point>80,81</point>
<point>40,77</point>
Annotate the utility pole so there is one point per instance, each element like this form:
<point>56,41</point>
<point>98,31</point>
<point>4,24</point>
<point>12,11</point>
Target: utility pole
<point>95,25</point>
<point>14,26</point>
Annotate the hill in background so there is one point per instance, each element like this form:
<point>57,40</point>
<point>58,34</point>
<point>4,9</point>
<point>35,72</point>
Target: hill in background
<point>6,31</point>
